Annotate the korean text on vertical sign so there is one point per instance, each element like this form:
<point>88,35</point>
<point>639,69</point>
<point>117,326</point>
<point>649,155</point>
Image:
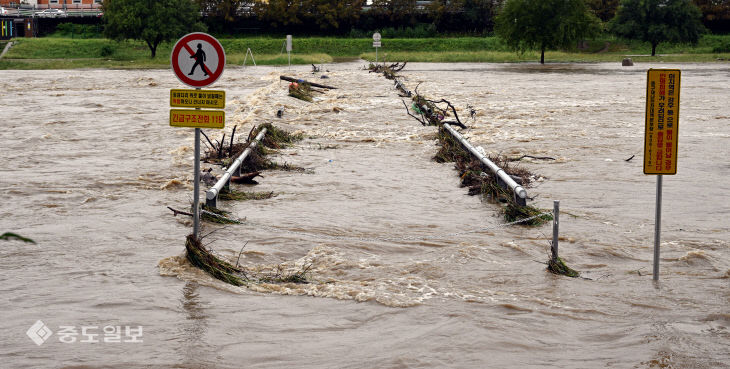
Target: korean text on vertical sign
<point>662,121</point>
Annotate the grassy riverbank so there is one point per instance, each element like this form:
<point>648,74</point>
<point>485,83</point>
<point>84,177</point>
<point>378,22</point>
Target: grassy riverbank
<point>64,53</point>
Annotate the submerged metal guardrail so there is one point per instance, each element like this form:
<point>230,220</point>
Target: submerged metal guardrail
<point>211,196</point>
<point>520,194</point>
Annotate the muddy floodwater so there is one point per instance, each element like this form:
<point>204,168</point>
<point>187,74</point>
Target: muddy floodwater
<point>407,270</point>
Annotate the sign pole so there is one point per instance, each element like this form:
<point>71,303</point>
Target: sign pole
<point>196,186</point>
<point>657,226</point>
<point>376,44</point>
<point>660,138</point>
<point>194,46</point>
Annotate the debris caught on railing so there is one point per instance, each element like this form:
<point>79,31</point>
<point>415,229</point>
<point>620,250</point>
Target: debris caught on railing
<point>472,171</point>
<point>388,71</point>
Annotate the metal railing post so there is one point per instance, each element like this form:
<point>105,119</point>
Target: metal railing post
<point>556,230</point>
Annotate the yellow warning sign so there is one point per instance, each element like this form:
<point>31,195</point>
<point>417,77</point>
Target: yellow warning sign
<point>197,118</point>
<point>211,99</point>
<point>662,121</point>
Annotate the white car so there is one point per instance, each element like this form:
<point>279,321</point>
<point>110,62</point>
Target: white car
<point>51,13</point>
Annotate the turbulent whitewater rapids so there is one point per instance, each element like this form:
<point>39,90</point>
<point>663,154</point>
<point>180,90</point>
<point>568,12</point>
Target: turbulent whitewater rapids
<point>90,166</point>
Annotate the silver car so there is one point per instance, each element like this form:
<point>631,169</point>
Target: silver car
<point>51,13</point>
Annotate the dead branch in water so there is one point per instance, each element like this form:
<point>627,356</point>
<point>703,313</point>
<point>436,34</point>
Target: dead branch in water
<point>213,216</point>
<point>531,157</point>
<point>230,148</point>
<point>175,212</point>
<point>7,236</point>
<point>206,137</point>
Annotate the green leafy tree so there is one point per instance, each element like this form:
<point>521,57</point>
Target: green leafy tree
<point>605,10</point>
<point>470,14</point>
<point>715,14</point>
<point>280,13</point>
<point>544,24</point>
<point>657,21</point>
<point>331,14</point>
<point>328,15</point>
<point>714,9</point>
<point>226,9</point>
<point>398,11</point>
<point>151,21</point>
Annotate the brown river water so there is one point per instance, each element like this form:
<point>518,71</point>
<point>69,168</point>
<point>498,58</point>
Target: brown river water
<point>407,269</point>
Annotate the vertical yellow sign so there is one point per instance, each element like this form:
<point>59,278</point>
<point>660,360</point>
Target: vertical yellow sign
<point>662,121</point>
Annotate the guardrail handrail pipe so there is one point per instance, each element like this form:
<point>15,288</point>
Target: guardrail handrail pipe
<point>519,191</point>
<point>211,196</point>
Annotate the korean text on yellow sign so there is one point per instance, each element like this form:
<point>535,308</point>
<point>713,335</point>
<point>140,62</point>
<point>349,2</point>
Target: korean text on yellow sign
<point>211,99</point>
<point>662,121</point>
<point>197,118</point>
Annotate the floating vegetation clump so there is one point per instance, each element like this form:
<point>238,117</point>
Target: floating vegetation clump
<point>274,139</point>
<point>557,266</point>
<point>202,258</point>
<point>281,276</point>
<point>220,269</point>
<point>215,215</point>
<point>514,212</point>
<point>277,138</point>
<point>233,195</point>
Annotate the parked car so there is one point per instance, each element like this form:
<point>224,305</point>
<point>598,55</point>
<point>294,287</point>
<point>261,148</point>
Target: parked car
<point>51,13</point>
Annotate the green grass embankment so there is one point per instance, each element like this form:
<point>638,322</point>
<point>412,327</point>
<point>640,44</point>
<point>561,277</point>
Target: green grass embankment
<point>64,53</point>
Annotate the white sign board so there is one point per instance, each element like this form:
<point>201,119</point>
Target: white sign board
<point>376,43</point>
<point>376,36</point>
<point>288,43</point>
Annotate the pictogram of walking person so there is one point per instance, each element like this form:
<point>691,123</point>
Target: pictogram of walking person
<point>199,60</point>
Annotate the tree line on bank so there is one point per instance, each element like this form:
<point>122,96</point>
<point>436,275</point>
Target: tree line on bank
<point>523,24</point>
<point>475,17</point>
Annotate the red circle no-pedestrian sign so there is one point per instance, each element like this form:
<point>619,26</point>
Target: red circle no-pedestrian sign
<point>198,59</point>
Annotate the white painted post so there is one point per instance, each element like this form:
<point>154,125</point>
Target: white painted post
<point>289,48</point>
<point>376,44</point>
<point>248,51</point>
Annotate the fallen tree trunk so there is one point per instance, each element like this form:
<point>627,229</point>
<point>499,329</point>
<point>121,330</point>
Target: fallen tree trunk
<point>291,79</point>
